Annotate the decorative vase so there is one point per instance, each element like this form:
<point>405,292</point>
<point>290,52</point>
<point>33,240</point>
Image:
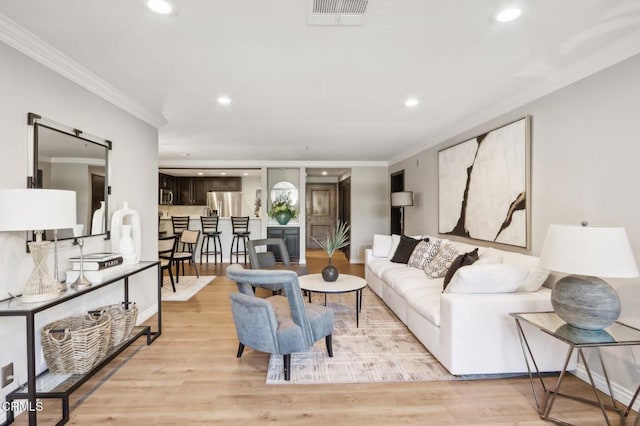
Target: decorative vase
<point>127,216</point>
<point>283,217</point>
<point>330,272</point>
<point>127,247</point>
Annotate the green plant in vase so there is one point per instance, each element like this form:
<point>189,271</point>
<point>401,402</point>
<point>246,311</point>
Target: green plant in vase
<point>282,209</point>
<point>335,240</point>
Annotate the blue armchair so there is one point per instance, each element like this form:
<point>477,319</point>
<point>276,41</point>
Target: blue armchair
<point>276,324</point>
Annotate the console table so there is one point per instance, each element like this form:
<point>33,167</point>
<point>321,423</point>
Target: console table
<point>617,334</point>
<point>46,385</point>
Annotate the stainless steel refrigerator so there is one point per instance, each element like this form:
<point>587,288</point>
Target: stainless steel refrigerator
<point>225,204</point>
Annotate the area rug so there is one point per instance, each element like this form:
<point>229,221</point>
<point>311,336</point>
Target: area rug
<point>382,349</point>
<point>185,289</point>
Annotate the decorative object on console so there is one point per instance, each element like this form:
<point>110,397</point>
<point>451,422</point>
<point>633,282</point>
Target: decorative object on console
<point>38,210</point>
<point>587,252</point>
<point>97,221</point>
<point>483,186</point>
<point>282,209</point>
<point>335,240</point>
<point>81,282</point>
<point>402,199</point>
<point>121,219</point>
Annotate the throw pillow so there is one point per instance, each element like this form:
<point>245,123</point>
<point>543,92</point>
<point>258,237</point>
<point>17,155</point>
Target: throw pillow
<point>465,259</point>
<point>395,241</point>
<point>490,255</point>
<point>488,278</point>
<point>536,277</point>
<point>424,252</point>
<point>442,261</point>
<point>404,250</point>
<point>381,245</point>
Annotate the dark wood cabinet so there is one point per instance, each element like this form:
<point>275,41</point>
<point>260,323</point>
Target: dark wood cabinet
<point>183,195</point>
<point>199,188</point>
<point>225,184</point>
<point>291,237</point>
<point>192,191</point>
<point>166,181</point>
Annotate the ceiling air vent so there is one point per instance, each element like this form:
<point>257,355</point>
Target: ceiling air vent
<point>336,12</point>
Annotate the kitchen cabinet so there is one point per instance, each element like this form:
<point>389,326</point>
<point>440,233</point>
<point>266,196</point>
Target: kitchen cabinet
<point>291,237</point>
<point>225,184</point>
<point>166,181</point>
<point>192,191</point>
<point>183,191</point>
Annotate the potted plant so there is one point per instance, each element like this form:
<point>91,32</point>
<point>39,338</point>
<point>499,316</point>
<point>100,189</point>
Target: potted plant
<point>334,240</point>
<point>282,209</point>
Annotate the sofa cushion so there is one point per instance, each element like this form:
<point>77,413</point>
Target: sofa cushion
<point>425,301</point>
<point>424,253</point>
<point>489,255</point>
<point>535,278</point>
<point>379,266</point>
<point>406,278</point>
<point>488,278</point>
<point>464,259</point>
<point>438,267</point>
<point>395,241</point>
<point>381,245</point>
<point>404,250</point>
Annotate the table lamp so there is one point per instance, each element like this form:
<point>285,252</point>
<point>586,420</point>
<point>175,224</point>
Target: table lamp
<point>37,210</point>
<point>402,199</point>
<point>582,299</point>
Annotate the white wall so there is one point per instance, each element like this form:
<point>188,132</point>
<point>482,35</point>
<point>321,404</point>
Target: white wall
<point>369,208</point>
<point>585,151</point>
<point>249,187</point>
<point>27,86</point>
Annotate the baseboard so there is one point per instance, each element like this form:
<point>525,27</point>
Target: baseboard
<point>621,394</point>
<point>146,314</point>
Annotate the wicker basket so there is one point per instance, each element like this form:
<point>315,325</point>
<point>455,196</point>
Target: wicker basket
<point>75,344</point>
<point>122,321</point>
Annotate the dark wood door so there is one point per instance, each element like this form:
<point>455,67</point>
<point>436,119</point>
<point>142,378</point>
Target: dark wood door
<point>321,211</point>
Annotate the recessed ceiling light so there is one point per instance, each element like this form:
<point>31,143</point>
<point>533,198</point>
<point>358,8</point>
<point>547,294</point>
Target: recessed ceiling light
<point>324,173</point>
<point>200,174</point>
<point>411,102</point>
<point>224,100</point>
<point>223,173</point>
<point>245,174</point>
<point>163,7</point>
<point>508,15</point>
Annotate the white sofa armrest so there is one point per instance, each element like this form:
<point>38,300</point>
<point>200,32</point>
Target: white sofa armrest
<point>485,337</point>
<point>368,255</point>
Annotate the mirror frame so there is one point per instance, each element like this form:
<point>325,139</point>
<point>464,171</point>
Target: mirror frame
<point>35,121</point>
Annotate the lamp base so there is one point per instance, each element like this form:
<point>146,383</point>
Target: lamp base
<point>81,283</point>
<point>585,302</point>
<point>41,286</point>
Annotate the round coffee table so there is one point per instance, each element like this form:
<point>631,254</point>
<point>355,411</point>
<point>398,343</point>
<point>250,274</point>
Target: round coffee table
<point>345,283</point>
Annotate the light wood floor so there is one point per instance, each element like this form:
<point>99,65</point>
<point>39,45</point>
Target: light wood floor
<point>190,375</point>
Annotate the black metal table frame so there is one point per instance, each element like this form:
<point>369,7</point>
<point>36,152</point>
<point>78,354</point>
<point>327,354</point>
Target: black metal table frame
<point>358,299</point>
<point>29,314</point>
<point>544,404</point>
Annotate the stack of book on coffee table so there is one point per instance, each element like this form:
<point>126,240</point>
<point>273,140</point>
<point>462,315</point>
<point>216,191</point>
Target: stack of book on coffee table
<point>96,266</point>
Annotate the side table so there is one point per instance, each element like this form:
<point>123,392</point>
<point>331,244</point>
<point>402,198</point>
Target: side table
<point>618,334</point>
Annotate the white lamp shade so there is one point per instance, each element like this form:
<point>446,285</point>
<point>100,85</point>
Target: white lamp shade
<point>588,250</point>
<point>402,199</point>
<point>36,209</point>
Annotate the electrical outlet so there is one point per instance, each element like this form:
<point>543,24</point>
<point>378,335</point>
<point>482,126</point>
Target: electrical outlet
<point>7,375</point>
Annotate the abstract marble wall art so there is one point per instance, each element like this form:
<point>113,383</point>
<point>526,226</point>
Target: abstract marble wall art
<point>484,186</point>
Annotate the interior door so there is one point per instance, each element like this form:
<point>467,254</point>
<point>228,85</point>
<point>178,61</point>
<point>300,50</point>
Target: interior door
<point>321,211</point>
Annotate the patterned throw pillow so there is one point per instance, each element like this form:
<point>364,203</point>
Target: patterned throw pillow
<point>441,263</point>
<point>424,252</point>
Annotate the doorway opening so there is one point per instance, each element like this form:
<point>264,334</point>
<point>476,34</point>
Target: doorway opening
<point>397,185</point>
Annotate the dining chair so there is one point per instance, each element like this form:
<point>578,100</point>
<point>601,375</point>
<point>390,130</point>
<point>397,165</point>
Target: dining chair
<point>179,223</point>
<point>166,250</point>
<point>189,240</point>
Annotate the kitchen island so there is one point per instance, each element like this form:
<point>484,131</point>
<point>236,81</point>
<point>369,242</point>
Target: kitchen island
<point>224,226</point>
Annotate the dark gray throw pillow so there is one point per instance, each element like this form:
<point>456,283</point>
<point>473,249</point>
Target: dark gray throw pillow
<point>460,261</point>
<point>405,248</point>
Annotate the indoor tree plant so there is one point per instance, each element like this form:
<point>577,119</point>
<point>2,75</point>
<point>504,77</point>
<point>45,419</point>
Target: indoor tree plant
<point>333,241</point>
<point>282,209</point>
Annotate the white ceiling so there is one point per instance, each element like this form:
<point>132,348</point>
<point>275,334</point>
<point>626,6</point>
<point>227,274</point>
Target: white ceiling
<point>327,93</point>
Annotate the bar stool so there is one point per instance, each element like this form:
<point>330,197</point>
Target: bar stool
<point>240,227</point>
<point>210,233</point>
<point>180,223</point>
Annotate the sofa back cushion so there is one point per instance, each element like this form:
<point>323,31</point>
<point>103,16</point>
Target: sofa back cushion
<point>488,278</point>
<point>381,245</point>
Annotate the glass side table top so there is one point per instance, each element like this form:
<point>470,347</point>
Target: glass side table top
<point>549,322</point>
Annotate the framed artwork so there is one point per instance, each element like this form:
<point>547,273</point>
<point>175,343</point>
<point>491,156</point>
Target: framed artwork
<point>484,186</point>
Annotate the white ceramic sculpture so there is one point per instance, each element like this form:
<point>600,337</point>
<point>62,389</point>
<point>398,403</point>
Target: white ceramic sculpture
<point>127,247</point>
<point>118,219</point>
<point>97,222</point>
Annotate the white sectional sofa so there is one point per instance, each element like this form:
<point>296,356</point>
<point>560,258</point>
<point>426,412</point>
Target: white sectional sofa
<point>469,332</point>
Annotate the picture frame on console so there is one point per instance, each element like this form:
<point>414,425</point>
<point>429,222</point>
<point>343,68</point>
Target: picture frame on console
<point>484,186</point>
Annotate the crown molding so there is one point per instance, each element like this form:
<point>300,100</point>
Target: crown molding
<point>252,164</point>
<point>32,46</point>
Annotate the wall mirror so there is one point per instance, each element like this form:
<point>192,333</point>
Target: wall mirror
<point>67,158</point>
<point>284,188</point>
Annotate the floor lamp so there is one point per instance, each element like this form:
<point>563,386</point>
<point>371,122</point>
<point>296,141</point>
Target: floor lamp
<point>402,199</point>
<point>38,210</point>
